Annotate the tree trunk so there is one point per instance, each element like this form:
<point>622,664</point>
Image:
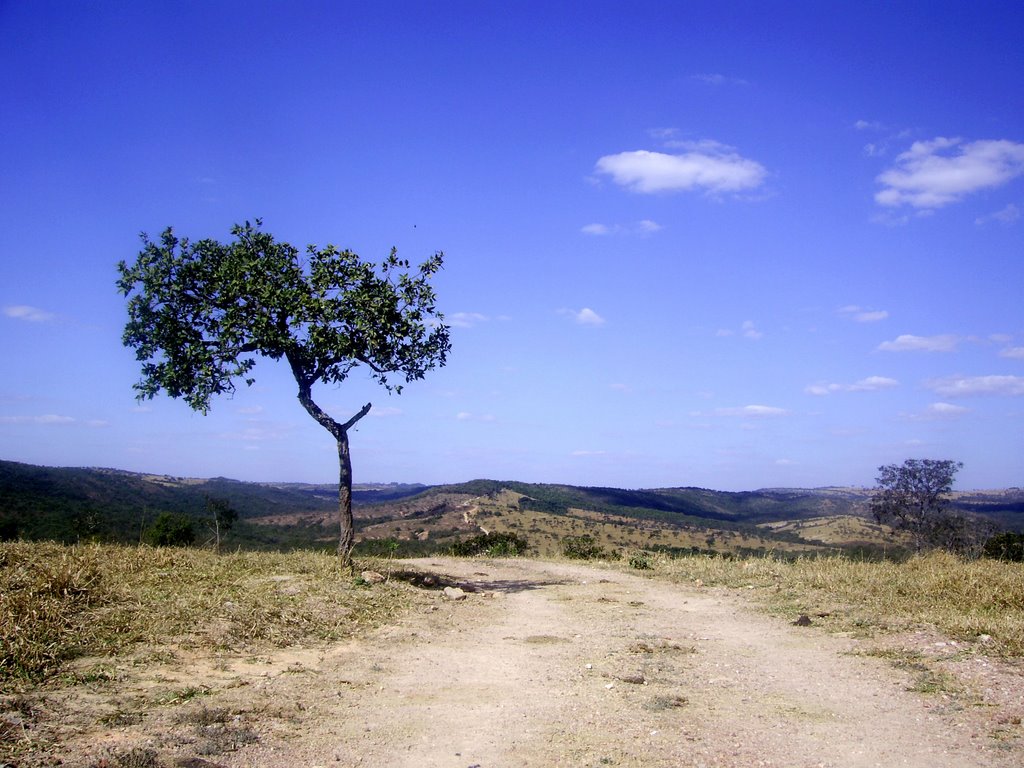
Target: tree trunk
<point>340,433</point>
<point>348,536</point>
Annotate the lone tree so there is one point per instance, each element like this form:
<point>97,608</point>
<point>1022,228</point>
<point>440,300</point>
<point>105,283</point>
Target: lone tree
<point>199,313</point>
<point>913,497</point>
<point>222,517</point>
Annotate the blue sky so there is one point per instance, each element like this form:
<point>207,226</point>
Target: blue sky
<point>730,245</point>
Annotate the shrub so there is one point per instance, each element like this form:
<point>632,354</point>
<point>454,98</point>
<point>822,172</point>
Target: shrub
<point>641,561</point>
<point>492,545</point>
<point>1006,546</point>
<point>582,548</point>
<point>171,530</point>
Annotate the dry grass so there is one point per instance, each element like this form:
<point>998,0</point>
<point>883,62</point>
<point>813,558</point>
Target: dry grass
<point>58,602</point>
<point>963,599</point>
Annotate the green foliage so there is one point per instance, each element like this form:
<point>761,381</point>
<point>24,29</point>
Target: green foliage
<point>913,497</point>
<point>170,530</point>
<point>1006,546</point>
<point>200,311</point>
<point>641,561</point>
<point>582,548</point>
<point>493,544</point>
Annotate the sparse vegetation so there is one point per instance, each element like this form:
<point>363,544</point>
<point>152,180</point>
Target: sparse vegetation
<point>582,548</point>
<point>61,602</point>
<point>981,601</point>
<point>492,545</point>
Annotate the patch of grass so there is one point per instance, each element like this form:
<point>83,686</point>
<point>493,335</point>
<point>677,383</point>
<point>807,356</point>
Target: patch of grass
<point>964,599</point>
<point>60,602</point>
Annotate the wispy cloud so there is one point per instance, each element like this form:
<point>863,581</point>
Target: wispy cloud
<point>862,315</point>
<point>465,319</point>
<point>705,166</point>
<point>1007,215</point>
<point>939,411</point>
<point>31,314</point>
<point>468,416</point>
<point>870,384</point>
<point>969,386</point>
<point>910,343</point>
<point>53,419</point>
<point>753,411</point>
<point>717,80</point>
<point>642,227</point>
<point>748,330</point>
<point>1014,353</point>
<point>585,316</point>
<point>932,174</point>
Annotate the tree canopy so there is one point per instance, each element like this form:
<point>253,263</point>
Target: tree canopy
<point>200,313</point>
<point>913,497</point>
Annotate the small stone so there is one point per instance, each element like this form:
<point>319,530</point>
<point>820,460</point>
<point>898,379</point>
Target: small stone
<point>803,621</point>
<point>633,679</point>
<point>454,593</point>
<point>372,577</point>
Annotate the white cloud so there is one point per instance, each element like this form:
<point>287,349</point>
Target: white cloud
<point>31,314</point>
<point>748,330</point>
<point>756,411</point>
<point>707,166</point>
<point>1006,215</point>
<point>585,316</point>
<point>751,332</point>
<point>967,386</point>
<point>1016,353</point>
<point>935,173</point>
<point>588,453</point>
<point>868,125</point>
<point>946,410</point>
<point>910,343</point>
<point>861,315</point>
<point>467,416</point>
<point>642,227</point>
<point>48,419</point>
<point>870,384</point>
<point>465,319</point>
<point>716,79</point>
<point>937,411</point>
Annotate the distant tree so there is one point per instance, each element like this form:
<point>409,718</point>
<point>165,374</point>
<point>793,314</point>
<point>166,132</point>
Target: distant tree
<point>171,530</point>
<point>221,517</point>
<point>914,497</point>
<point>199,313</point>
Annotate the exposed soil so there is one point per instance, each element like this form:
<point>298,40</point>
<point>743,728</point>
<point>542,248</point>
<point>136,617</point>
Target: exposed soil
<point>548,664</point>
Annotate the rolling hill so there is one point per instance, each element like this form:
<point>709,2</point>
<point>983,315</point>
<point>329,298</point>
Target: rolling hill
<point>69,504</point>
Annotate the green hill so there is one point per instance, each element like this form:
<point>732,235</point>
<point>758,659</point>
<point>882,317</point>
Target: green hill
<point>70,504</point>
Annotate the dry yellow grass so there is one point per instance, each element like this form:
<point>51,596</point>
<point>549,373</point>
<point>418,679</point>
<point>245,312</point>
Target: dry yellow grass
<point>59,602</point>
<point>963,599</point>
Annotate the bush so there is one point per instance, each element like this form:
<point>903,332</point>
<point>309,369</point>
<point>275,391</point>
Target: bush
<point>491,545</point>
<point>641,561</point>
<point>171,530</point>
<point>1006,546</point>
<point>582,548</point>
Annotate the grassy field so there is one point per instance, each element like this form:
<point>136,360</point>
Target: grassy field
<point>961,599</point>
<point>75,617</point>
<point>60,602</point>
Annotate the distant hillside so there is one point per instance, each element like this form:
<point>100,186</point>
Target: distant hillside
<point>69,504</point>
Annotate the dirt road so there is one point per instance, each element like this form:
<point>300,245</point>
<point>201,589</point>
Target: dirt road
<point>564,665</point>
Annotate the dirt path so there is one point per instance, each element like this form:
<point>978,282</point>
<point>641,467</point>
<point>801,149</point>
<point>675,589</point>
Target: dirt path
<point>565,665</point>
